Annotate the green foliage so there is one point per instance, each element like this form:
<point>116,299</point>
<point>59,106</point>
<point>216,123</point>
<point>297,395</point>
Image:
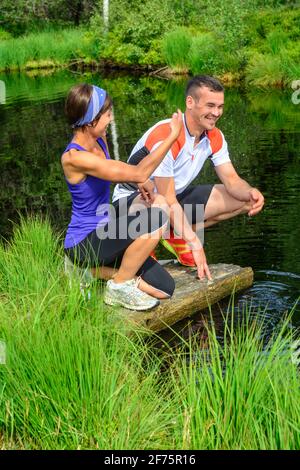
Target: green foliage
<point>227,21</point>
<point>4,35</point>
<point>261,23</point>
<point>228,37</point>
<point>22,16</point>
<point>199,53</point>
<point>276,41</point>
<point>235,396</point>
<point>134,30</point>
<point>273,55</point>
<point>176,47</point>
<point>219,37</point>
<point>73,377</point>
<point>46,49</point>
<point>209,55</point>
<point>266,69</point>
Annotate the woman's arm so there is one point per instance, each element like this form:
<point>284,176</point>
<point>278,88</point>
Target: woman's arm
<point>118,172</point>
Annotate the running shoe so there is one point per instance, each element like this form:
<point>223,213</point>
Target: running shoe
<point>128,295</point>
<point>179,248</point>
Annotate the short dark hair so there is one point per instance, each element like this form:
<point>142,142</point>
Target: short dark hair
<point>200,81</point>
<point>77,103</point>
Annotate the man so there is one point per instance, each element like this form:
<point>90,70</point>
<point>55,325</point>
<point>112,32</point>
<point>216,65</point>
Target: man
<point>199,140</point>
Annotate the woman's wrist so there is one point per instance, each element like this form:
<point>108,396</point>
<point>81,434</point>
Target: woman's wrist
<point>173,135</point>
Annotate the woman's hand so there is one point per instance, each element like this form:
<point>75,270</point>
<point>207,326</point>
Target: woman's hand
<point>176,124</point>
<point>147,191</point>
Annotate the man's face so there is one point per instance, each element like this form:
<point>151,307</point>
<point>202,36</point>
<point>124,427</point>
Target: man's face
<point>207,109</point>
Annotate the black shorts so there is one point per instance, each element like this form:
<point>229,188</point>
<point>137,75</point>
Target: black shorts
<point>94,251</point>
<point>193,196</point>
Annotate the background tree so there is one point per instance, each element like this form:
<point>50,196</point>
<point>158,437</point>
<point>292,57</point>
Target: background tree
<point>20,16</point>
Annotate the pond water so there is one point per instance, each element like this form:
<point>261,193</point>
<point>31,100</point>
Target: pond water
<point>261,128</point>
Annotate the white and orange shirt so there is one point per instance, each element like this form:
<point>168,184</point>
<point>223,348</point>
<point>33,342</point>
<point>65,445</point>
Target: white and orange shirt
<point>183,162</point>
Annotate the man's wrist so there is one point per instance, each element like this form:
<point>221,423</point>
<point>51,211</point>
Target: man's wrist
<point>195,244</point>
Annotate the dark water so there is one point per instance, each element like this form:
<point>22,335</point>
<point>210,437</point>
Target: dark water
<point>261,128</point>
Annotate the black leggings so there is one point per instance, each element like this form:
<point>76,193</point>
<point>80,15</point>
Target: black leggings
<point>94,251</point>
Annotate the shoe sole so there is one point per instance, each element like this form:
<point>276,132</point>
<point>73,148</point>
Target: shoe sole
<point>128,306</point>
<point>171,249</point>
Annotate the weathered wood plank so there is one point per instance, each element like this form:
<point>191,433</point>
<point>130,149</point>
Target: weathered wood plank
<point>191,294</point>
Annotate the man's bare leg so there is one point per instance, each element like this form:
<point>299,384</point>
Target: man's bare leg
<point>221,206</point>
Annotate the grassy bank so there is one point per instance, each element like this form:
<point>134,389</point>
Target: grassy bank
<point>46,50</point>
<point>72,378</point>
<point>266,54</point>
<point>257,42</point>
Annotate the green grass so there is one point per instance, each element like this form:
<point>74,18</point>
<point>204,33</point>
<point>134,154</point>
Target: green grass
<point>176,48</point>
<point>239,395</point>
<point>45,49</point>
<point>75,379</point>
<point>267,53</point>
<point>194,52</point>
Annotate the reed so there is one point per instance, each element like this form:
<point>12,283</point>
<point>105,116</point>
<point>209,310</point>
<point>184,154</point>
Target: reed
<point>176,47</point>
<point>243,394</point>
<point>73,378</point>
<point>45,49</point>
<point>264,70</point>
<point>195,52</point>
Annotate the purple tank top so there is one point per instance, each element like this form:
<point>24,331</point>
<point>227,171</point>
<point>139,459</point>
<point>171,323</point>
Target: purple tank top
<point>89,203</point>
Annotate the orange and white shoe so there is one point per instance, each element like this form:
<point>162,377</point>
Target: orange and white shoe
<point>179,248</point>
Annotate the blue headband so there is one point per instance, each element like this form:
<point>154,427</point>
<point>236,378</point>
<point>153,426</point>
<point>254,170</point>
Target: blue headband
<point>95,105</point>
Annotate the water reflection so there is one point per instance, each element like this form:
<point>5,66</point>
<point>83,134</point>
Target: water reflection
<point>262,130</point>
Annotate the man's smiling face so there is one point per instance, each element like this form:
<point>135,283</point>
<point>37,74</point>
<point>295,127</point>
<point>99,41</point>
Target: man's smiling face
<point>205,108</point>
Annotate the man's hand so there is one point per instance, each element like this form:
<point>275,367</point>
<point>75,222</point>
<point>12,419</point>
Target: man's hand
<point>147,191</point>
<point>256,200</point>
<point>201,263</point>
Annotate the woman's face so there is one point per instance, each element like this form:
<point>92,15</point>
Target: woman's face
<point>99,130</point>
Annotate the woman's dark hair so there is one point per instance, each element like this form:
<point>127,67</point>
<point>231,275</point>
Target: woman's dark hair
<point>200,81</point>
<point>77,104</point>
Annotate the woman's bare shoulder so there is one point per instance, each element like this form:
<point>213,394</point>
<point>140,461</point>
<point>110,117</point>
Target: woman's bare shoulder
<point>72,174</point>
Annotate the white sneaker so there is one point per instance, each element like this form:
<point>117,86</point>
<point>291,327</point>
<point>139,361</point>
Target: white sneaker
<point>128,295</point>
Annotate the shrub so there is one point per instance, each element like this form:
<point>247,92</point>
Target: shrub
<point>268,70</point>
<point>209,55</point>
<point>134,30</point>
<point>4,35</point>
<point>176,47</point>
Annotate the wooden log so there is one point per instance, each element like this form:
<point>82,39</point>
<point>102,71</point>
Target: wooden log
<point>191,295</point>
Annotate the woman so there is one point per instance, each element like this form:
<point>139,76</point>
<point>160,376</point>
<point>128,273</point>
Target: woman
<point>140,281</point>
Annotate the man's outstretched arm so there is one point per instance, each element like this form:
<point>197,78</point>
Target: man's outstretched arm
<point>239,188</point>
